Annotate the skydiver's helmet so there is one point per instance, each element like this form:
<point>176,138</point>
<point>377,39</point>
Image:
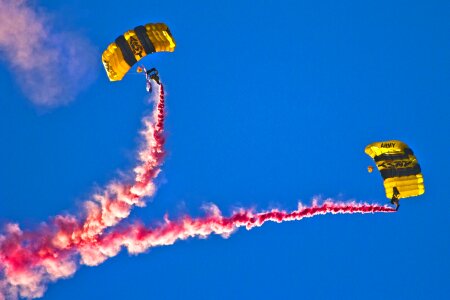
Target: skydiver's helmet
<point>152,72</point>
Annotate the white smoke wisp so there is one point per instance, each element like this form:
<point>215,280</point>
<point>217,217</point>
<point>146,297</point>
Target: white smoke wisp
<point>51,66</point>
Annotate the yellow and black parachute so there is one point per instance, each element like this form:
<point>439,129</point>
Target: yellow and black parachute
<point>133,45</point>
<point>399,168</point>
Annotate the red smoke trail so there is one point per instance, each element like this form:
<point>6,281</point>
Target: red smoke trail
<point>137,238</point>
<point>116,201</point>
<point>28,260</point>
<point>31,259</point>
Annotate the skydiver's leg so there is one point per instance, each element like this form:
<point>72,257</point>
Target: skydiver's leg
<point>152,71</point>
<point>397,204</point>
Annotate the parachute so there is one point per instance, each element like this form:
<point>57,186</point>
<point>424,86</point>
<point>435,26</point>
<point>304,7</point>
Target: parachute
<point>399,168</point>
<point>133,45</point>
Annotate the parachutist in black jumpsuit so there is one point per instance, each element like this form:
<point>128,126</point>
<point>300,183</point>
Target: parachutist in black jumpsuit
<point>396,198</point>
<point>149,75</point>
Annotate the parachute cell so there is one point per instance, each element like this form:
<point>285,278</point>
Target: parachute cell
<point>133,45</point>
<point>399,168</point>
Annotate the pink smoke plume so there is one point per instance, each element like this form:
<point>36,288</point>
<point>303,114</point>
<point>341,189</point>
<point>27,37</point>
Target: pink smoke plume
<point>138,239</point>
<point>31,259</point>
<point>106,208</point>
<point>51,66</point>
<point>116,201</point>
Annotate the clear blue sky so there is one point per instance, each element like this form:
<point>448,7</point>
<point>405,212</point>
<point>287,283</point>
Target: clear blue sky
<point>269,102</point>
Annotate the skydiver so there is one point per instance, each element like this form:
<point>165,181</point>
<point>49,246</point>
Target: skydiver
<point>396,198</point>
<point>153,74</point>
<point>150,75</point>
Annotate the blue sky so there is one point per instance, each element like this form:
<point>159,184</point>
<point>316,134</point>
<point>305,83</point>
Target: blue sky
<point>268,104</point>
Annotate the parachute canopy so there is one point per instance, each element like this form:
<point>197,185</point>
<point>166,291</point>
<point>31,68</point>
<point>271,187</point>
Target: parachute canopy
<point>133,45</point>
<point>398,167</point>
